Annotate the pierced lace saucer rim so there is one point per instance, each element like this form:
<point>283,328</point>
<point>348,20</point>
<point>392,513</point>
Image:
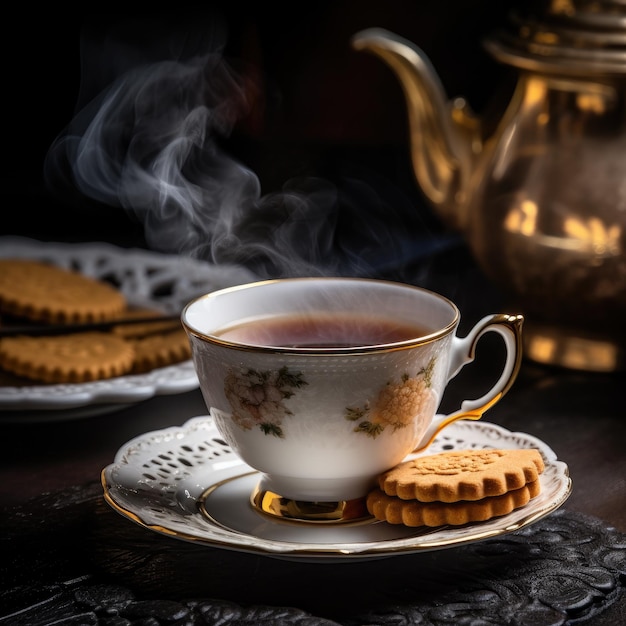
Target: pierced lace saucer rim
<point>126,500</point>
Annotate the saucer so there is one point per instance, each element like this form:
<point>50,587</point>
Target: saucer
<point>185,482</point>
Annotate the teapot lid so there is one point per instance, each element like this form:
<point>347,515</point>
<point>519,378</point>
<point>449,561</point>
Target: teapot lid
<point>564,37</point>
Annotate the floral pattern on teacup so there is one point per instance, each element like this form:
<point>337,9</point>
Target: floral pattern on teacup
<point>256,397</point>
<point>397,404</point>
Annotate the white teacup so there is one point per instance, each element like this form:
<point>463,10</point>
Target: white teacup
<point>321,384</point>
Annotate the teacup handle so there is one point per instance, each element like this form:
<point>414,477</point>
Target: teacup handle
<point>463,352</point>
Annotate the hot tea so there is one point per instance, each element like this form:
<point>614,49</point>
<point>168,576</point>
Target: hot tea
<point>321,330</point>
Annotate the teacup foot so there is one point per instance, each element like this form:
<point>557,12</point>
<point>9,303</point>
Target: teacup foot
<point>277,506</point>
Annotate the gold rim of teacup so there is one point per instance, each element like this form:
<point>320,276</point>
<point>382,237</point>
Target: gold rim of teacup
<point>334,351</point>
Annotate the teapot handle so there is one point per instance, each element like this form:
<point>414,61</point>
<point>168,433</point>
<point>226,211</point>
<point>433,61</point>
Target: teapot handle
<point>463,352</point>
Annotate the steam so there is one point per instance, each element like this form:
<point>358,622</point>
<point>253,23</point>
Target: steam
<point>150,142</point>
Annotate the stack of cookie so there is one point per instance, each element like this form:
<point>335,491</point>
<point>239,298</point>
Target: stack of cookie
<point>37,293</point>
<point>457,487</point>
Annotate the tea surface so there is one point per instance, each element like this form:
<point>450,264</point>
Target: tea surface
<point>321,331</point>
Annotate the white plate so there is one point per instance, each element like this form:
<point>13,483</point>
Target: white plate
<point>160,479</point>
<point>166,282</point>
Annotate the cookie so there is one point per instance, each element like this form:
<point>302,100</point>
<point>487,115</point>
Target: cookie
<point>159,350</point>
<point>77,358</point>
<point>462,475</point>
<point>48,294</point>
<point>413,513</point>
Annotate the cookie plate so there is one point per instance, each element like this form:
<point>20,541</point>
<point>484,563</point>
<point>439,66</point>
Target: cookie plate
<point>165,282</point>
<point>185,482</point>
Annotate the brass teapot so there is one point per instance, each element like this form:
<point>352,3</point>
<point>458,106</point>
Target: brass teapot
<point>541,200</point>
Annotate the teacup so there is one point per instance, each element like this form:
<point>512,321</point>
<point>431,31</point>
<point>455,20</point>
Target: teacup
<point>321,384</point>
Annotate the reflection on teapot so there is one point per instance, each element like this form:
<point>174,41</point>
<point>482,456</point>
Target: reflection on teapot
<point>542,199</point>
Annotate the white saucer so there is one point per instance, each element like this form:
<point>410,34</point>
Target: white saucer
<point>185,482</point>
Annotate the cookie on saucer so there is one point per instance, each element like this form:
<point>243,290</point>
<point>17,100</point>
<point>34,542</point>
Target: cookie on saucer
<point>48,294</point>
<point>457,487</point>
<point>77,358</point>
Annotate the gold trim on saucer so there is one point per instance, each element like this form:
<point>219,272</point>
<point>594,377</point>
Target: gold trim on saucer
<point>202,495</point>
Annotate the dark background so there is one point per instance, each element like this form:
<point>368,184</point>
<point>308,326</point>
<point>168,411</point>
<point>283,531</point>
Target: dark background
<point>318,107</point>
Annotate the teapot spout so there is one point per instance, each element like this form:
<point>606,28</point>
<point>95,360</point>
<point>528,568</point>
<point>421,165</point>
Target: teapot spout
<point>444,136</point>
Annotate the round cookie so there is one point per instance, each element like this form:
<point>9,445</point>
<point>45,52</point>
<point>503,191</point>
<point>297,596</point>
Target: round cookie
<point>77,358</point>
<point>470,474</point>
<point>414,513</point>
<point>49,294</point>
